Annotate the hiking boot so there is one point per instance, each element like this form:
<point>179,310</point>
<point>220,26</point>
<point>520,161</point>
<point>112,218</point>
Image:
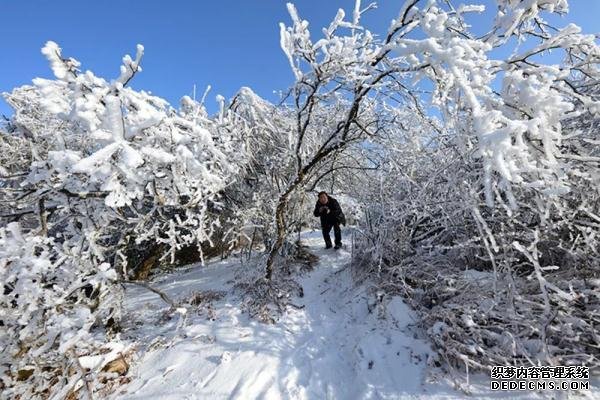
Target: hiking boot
<point>328,246</point>
<point>338,246</point>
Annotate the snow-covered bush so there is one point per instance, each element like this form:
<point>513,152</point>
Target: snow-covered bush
<point>50,304</point>
<point>122,158</point>
<point>429,236</point>
<point>485,216</point>
<point>92,168</point>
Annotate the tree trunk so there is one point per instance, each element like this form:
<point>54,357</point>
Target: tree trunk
<point>280,222</point>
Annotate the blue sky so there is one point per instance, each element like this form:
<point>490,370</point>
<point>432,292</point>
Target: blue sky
<point>226,43</point>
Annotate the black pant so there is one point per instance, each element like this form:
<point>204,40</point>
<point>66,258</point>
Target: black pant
<point>336,231</point>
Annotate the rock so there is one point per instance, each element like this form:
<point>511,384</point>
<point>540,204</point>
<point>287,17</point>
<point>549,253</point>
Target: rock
<point>24,374</point>
<point>118,366</point>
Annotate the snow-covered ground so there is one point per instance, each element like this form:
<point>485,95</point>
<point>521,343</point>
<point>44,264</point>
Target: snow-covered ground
<point>332,348</point>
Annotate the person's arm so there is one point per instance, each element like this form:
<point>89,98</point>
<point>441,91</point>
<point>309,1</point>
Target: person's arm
<point>316,212</point>
<point>336,209</point>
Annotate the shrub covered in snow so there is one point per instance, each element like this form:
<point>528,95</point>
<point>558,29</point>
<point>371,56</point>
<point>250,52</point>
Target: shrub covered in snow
<point>90,168</point>
<point>50,305</point>
<point>486,217</point>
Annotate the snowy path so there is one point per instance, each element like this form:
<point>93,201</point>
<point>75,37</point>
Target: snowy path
<point>333,348</point>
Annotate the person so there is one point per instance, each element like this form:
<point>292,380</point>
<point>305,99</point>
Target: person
<point>330,212</point>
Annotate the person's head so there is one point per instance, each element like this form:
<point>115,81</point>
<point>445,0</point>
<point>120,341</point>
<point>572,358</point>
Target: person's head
<point>323,197</point>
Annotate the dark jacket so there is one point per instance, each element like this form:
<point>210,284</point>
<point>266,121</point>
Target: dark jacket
<point>335,214</point>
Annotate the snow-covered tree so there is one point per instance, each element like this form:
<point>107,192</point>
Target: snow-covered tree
<point>334,100</point>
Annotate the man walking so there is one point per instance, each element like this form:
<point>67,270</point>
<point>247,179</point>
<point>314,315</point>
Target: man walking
<point>332,216</point>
